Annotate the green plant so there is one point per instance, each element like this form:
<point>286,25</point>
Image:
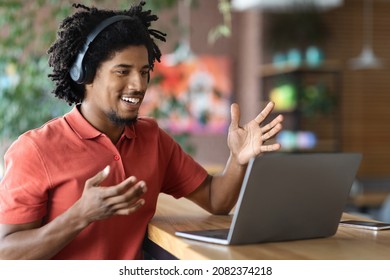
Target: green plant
<point>25,101</point>
<point>25,98</point>
<point>317,100</point>
<point>223,29</point>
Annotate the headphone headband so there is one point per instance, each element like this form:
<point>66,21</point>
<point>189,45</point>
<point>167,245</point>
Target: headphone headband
<point>77,71</point>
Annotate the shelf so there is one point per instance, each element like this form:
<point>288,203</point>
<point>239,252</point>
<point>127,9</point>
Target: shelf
<point>268,70</point>
<point>322,146</point>
<point>310,84</point>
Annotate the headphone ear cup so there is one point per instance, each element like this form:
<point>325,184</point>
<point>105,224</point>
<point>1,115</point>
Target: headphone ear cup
<point>76,71</point>
<point>87,75</point>
<point>81,79</point>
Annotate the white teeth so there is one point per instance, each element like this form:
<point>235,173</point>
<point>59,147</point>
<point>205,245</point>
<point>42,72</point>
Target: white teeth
<point>131,99</point>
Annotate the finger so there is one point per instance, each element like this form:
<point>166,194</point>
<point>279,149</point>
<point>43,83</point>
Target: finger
<point>263,114</point>
<point>270,148</point>
<point>131,209</point>
<point>130,196</point>
<point>125,205</point>
<point>98,178</point>
<point>271,133</point>
<point>119,189</point>
<point>272,124</point>
<point>235,116</point>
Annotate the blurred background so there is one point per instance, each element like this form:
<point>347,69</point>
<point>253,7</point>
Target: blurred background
<point>325,64</point>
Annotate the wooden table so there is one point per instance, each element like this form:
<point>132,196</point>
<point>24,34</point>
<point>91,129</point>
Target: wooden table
<point>182,214</point>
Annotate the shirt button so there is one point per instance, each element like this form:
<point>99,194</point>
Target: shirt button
<point>117,157</point>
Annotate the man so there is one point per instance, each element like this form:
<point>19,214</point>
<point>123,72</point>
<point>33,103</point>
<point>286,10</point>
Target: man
<point>85,186</point>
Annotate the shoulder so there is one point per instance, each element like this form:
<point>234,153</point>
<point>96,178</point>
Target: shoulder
<point>147,126</point>
<point>147,122</point>
<point>47,132</point>
<point>147,129</point>
<point>40,136</point>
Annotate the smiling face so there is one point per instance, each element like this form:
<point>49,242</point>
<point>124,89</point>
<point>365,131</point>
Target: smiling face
<point>116,93</point>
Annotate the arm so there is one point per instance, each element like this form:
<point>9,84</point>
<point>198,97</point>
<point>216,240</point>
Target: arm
<point>218,194</point>
<point>34,241</point>
<point>31,241</point>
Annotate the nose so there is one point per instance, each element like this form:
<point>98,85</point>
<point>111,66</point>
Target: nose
<point>136,81</point>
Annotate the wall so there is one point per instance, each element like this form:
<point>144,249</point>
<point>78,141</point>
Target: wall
<point>365,93</point>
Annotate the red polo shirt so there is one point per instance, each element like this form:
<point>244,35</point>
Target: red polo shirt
<point>46,170</point>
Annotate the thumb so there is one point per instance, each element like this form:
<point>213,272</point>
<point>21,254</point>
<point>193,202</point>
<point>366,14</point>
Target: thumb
<point>99,177</point>
<point>235,116</point>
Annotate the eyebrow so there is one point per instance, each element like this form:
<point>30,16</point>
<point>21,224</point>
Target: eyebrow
<point>130,66</point>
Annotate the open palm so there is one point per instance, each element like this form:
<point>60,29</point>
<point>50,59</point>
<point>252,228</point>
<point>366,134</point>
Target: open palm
<point>248,141</point>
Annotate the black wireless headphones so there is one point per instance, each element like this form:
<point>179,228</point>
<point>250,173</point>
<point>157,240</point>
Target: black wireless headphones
<point>78,72</point>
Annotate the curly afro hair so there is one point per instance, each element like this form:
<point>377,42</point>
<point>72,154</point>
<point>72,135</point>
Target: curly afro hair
<point>73,32</point>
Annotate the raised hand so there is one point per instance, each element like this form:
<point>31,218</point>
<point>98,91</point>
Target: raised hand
<point>249,140</point>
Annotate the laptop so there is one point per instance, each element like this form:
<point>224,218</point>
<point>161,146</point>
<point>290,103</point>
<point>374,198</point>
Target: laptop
<point>288,197</point>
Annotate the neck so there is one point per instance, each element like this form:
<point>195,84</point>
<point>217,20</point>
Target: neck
<point>102,123</point>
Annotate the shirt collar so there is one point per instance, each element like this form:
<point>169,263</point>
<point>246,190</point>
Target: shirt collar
<point>130,131</point>
<point>85,130</point>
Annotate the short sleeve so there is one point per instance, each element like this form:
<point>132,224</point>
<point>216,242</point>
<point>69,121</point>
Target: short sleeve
<point>182,174</point>
<point>24,187</point>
